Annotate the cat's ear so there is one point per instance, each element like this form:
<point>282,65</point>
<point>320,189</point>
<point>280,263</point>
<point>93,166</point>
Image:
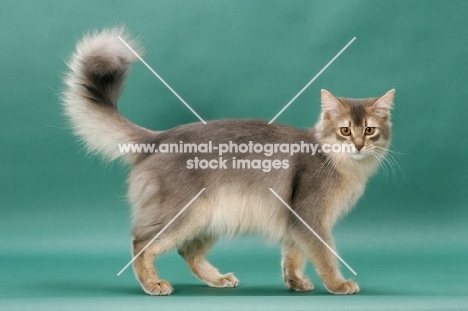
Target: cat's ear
<point>331,106</point>
<point>383,105</point>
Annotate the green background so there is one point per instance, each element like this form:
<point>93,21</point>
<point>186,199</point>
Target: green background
<point>64,220</point>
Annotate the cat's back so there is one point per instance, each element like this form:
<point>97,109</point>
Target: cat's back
<point>235,130</point>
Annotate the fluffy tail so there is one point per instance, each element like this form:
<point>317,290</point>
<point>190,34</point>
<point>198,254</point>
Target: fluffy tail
<point>98,70</point>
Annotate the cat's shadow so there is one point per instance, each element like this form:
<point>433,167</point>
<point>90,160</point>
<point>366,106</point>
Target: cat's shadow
<point>242,290</point>
<point>262,290</point>
<point>71,289</point>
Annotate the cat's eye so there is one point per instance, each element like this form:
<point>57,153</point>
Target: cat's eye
<point>345,131</point>
<point>369,130</point>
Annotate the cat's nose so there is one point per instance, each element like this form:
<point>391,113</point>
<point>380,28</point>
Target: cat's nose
<point>359,146</point>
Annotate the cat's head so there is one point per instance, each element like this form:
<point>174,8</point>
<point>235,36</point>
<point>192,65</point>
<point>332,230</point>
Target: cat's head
<point>364,123</point>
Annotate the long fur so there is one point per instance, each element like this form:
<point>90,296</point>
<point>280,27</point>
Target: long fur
<point>320,188</point>
<point>98,69</point>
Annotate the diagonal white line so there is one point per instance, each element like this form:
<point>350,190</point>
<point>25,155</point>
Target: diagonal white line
<point>160,232</point>
<point>313,231</point>
<point>313,79</point>
<point>160,78</point>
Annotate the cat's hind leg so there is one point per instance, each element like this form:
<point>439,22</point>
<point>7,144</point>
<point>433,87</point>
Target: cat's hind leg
<point>144,268</point>
<point>293,265</point>
<point>194,253</point>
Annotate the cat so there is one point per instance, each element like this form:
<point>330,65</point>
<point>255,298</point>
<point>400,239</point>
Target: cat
<point>320,187</point>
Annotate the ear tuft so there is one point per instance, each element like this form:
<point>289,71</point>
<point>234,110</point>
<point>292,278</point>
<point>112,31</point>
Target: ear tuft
<point>331,106</point>
<point>384,104</point>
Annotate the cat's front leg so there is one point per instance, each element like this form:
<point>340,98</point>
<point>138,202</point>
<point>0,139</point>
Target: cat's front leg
<point>323,259</point>
<point>293,266</point>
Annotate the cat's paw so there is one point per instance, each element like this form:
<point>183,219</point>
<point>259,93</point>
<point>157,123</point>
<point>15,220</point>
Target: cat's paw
<point>159,288</point>
<point>225,281</point>
<point>298,284</point>
<point>347,287</point>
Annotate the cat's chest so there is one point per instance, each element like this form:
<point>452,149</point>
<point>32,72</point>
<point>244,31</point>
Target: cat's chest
<point>350,193</point>
<point>343,198</point>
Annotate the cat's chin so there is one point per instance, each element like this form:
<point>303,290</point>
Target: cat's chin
<point>358,156</point>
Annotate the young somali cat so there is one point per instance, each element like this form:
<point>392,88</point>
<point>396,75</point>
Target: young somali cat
<point>320,188</point>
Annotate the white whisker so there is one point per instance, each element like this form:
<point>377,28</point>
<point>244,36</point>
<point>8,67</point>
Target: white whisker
<point>378,156</point>
<point>392,156</point>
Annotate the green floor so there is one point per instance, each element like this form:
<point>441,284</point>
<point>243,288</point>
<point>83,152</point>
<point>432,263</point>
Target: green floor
<point>398,269</point>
